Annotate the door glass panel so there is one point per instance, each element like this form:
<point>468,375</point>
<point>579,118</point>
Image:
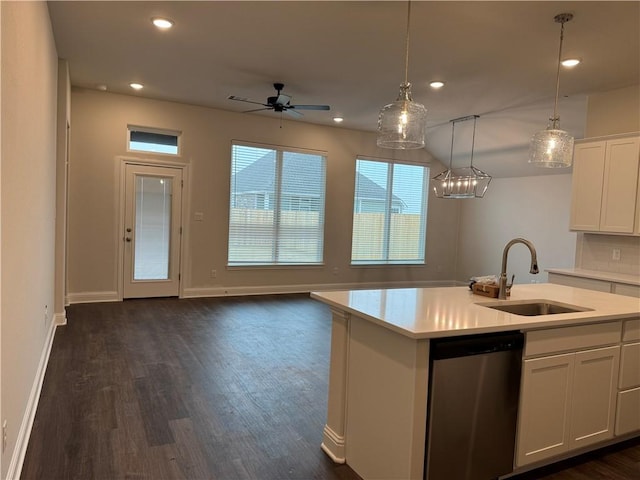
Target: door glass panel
<point>153,228</point>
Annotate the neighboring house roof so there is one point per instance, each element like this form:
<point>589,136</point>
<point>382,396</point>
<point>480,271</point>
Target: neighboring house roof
<point>297,178</point>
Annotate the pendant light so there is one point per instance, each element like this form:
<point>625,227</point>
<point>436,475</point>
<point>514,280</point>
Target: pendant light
<point>465,182</point>
<point>553,148</point>
<point>401,124</point>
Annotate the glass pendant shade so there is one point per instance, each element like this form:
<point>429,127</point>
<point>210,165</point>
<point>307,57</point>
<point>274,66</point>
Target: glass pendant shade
<point>465,182</point>
<point>551,148</point>
<point>402,124</point>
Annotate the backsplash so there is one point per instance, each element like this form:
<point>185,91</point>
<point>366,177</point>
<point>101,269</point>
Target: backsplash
<point>595,252</point>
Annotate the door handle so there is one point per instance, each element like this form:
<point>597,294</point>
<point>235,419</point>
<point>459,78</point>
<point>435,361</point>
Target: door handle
<point>127,239</point>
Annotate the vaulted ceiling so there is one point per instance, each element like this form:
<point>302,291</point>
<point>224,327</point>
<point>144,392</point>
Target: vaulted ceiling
<point>497,59</point>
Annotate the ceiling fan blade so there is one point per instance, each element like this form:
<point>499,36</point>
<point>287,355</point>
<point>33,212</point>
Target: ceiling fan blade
<point>293,113</point>
<point>282,99</point>
<point>310,107</point>
<point>246,100</point>
<point>257,110</point>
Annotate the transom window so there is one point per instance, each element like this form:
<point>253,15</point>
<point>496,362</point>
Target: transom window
<point>142,139</point>
<point>389,213</point>
<point>276,207</point>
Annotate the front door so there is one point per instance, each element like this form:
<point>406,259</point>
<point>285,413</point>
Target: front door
<point>152,231</point>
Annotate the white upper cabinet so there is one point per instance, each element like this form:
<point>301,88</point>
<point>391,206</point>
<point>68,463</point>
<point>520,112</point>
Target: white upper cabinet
<point>605,186</point>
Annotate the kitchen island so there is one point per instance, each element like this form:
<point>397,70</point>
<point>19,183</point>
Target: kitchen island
<point>379,370</point>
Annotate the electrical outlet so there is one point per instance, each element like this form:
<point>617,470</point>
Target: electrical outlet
<point>335,270</point>
<point>616,254</point>
<point>4,436</point>
<point>46,314</point>
<point>214,273</point>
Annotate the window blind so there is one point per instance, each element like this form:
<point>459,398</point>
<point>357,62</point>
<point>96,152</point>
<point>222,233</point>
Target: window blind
<point>276,206</point>
<point>389,213</point>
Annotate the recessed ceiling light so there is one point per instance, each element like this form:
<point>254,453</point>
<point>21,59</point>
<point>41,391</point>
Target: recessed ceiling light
<point>162,23</point>
<point>102,87</point>
<point>571,62</point>
<point>338,119</point>
<point>436,85</point>
<point>136,86</point>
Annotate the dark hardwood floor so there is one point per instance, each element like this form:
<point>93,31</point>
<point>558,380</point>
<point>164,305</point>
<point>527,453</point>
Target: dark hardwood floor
<point>226,389</point>
<point>231,388</point>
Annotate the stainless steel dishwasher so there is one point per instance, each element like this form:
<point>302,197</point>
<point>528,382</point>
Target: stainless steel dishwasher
<point>472,407</point>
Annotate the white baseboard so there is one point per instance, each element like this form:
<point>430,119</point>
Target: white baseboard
<point>92,297</point>
<point>333,445</point>
<point>17,459</point>
<point>60,318</point>
<point>275,289</point>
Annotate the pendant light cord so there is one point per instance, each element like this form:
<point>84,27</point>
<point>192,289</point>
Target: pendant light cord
<point>406,44</point>
<point>562,19</point>
<point>453,133</point>
<point>473,139</point>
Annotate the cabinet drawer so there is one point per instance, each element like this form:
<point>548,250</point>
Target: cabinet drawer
<point>631,330</point>
<point>572,338</point>
<point>630,366</point>
<point>628,412</point>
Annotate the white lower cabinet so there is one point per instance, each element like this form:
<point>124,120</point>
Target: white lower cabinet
<point>544,408</point>
<point>568,399</point>
<point>628,409</point>
<point>593,405</point>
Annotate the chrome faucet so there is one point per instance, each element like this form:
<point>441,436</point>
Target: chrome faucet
<point>503,292</point>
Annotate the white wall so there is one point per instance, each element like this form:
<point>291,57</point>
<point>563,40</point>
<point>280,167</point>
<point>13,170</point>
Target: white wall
<point>614,111</point>
<point>99,134</point>
<point>535,208</point>
<point>29,83</point>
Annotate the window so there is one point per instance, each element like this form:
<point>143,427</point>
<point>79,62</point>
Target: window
<point>152,140</point>
<point>389,213</point>
<point>277,206</point>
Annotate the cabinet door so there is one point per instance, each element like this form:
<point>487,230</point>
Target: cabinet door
<point>593,404</point>
<point>620,186</point>
<point>544,408</point>
<point>586,186</point>
<point>628,411</point>
<point>630,366</point>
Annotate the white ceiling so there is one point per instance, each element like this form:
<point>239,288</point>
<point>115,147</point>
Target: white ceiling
<point>498,60</point>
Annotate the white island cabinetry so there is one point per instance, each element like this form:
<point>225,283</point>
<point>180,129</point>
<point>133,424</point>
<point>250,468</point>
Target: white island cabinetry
<point>568,395</point>
<point>628,408</point>
<point>379,378</point>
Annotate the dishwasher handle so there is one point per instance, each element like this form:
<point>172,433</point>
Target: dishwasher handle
<point>468,345</point>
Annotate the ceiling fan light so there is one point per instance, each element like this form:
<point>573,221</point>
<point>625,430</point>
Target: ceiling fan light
<point>402,124</point>
<point>551,148</point>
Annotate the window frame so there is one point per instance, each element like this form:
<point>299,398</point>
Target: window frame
<point>389,210</point>
<point>277,200</point>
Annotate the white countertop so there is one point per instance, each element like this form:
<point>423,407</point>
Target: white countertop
<point>450,311</point>
<point>597,275</point>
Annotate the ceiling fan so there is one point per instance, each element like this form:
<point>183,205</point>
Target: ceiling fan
<point>279,103</point>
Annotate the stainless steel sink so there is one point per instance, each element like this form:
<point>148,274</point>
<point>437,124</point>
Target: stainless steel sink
<point>532,308</point>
